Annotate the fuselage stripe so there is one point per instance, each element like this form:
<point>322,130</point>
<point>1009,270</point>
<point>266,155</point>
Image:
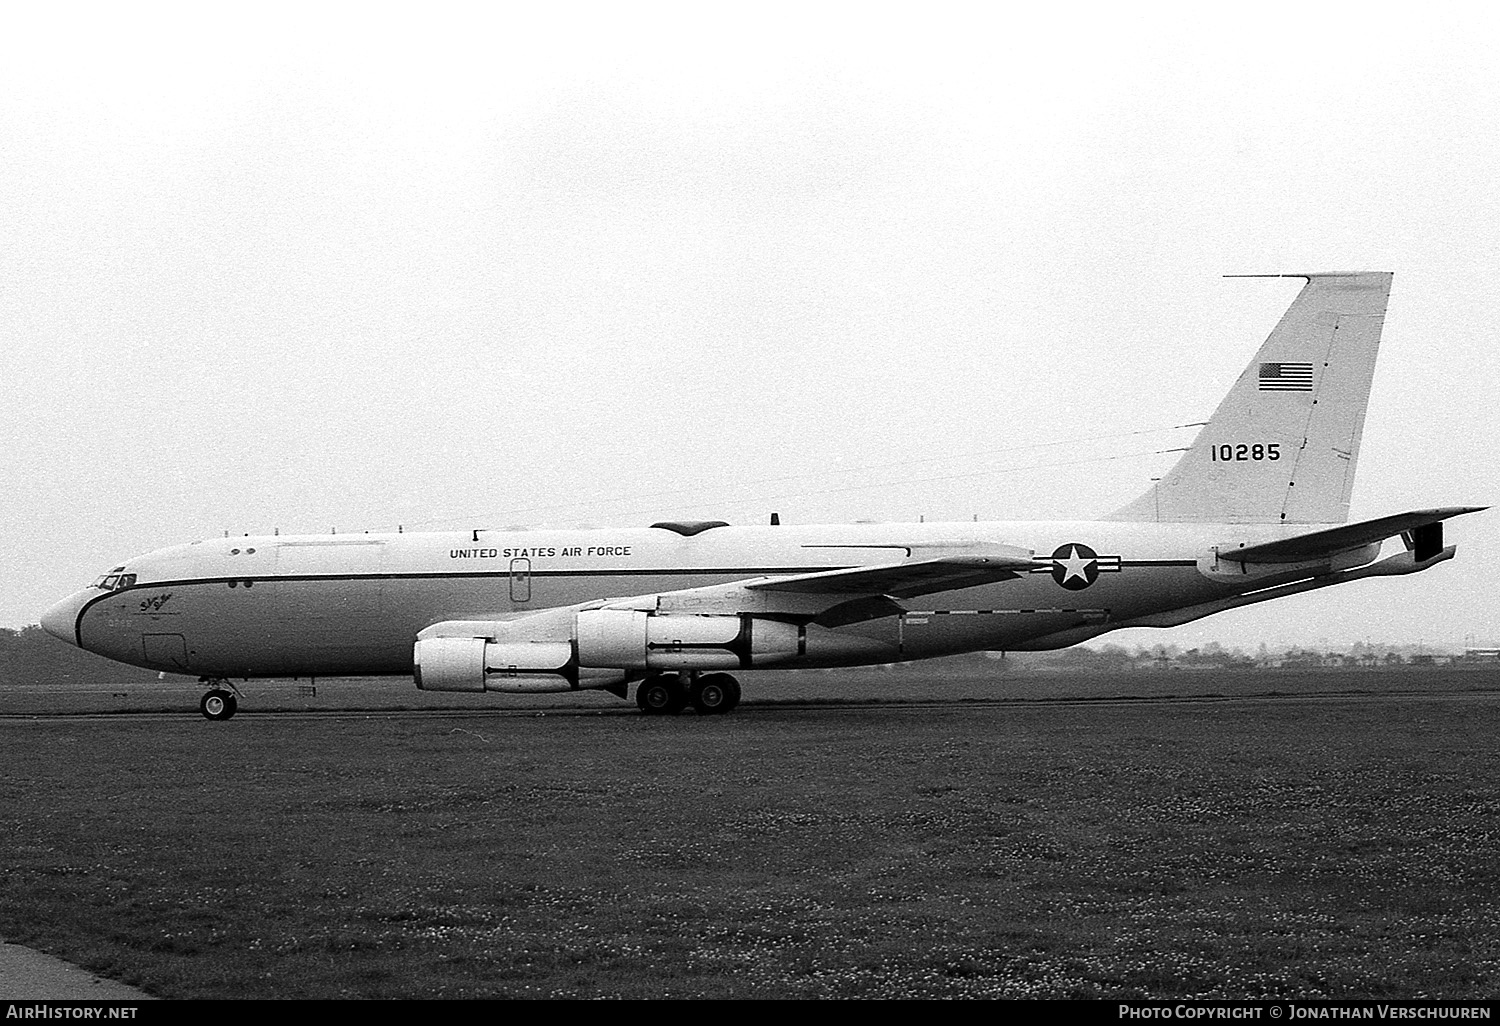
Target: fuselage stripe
<point>438,576</point>
<point>534,573</point>
<point>709,571</point>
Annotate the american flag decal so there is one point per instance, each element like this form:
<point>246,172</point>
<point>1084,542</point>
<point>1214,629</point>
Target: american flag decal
<point>1286,377</point>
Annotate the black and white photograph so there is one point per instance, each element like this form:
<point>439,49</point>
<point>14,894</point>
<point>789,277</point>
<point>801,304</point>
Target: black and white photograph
<point>751,502</point>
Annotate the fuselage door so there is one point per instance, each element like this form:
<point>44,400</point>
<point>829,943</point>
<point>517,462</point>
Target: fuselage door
<point>520,580</point>
<point>165,651</point>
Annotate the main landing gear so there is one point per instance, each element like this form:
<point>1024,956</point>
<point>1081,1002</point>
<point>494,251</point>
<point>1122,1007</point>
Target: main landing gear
<point>670,693</point>
<point>218,703</point>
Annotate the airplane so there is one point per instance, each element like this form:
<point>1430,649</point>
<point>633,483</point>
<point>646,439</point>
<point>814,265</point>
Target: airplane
<point>1255,509</point>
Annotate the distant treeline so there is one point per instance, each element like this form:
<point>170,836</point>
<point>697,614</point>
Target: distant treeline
<point>1361,655</point>
<point>32,656</point>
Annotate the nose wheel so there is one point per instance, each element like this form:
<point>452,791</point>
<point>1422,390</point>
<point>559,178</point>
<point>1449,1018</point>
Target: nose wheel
<point>218,704</point>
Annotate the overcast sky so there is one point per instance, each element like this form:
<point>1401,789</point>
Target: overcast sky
<point>447,266</point>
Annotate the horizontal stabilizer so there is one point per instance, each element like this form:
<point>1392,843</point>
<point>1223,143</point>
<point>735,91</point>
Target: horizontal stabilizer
<point>1320,544</point>
<point>904,580</point>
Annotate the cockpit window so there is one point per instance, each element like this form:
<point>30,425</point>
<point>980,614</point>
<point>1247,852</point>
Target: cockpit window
<point>115,581</point>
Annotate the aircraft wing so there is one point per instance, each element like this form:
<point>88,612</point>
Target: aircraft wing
<point>1422,527</point>
<point>905,580</point>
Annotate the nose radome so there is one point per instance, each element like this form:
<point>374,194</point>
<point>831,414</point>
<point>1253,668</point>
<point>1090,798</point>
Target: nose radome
<point>61,621</point>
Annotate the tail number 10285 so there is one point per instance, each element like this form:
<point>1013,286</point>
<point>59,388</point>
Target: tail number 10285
<point>1242,452</point>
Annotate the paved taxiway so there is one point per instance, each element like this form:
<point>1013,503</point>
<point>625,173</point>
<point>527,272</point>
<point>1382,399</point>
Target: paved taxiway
<point>28,975</point>
<point>776,708</point>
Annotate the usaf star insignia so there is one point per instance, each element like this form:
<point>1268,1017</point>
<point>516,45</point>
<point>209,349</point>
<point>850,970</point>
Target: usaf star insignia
<point>1075,566</point>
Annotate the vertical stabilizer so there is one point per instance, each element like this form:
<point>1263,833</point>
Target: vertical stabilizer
<point>1282,446</point>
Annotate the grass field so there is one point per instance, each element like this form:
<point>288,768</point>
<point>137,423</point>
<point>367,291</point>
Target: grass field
<point>1337,847</point>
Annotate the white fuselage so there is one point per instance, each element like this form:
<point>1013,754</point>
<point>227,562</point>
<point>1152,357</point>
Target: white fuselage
<point>353,604</point>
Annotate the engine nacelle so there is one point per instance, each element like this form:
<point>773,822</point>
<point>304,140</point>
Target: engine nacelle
<point>568,650</point>
<point>1222,566</point>
<point>632,639</point>
<point>523,667</point>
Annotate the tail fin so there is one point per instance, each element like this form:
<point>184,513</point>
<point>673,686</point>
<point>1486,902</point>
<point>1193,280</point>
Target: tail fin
<point>1282,446</point>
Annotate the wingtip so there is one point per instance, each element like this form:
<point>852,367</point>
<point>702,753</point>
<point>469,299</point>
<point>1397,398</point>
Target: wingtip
<point>1319,275</point>
<point>1311,274</point>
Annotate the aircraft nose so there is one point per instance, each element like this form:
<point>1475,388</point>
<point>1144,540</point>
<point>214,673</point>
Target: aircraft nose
<point>61,621</point>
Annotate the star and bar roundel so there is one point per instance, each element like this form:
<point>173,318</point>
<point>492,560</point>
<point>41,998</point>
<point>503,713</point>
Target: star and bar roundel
<point>1075,566</point>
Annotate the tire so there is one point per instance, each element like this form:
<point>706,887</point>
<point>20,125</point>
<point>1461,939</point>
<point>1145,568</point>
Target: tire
<point>714,693</point>
<point>733,687</point>
<point>218,705</point>
<point>660,695</point>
